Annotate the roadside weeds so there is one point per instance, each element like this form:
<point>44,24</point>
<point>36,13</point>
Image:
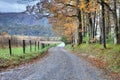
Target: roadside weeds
<point>96,59</point>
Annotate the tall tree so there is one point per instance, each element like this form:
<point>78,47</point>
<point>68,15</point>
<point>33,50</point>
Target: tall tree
<point>103,24</point>
<point>90,14</point>
<point>117,28</point>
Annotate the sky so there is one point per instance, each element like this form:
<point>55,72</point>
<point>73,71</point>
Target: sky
<point>14,5</point>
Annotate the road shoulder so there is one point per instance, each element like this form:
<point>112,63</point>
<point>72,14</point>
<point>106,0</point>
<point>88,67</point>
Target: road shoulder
<point>97,63</point>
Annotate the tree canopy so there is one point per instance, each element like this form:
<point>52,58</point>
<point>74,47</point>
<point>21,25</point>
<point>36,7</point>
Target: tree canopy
<point>77,19</point>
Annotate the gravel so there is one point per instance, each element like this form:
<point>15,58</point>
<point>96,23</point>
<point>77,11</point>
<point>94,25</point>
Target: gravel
<point>59,64</point>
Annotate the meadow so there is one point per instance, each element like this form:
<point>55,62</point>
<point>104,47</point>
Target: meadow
<point>17,55</point>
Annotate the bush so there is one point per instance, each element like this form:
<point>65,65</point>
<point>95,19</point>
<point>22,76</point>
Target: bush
<point>64,39</point>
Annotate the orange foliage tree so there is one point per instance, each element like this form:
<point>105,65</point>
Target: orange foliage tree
<point>87,13</point>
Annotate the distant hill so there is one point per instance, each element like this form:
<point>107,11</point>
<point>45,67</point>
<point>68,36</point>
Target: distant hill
<point>22,23</point>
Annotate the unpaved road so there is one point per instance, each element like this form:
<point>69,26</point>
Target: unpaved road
<point>59,64</point>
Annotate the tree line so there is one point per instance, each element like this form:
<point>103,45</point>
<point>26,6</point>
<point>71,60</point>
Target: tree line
<point>97,20</point>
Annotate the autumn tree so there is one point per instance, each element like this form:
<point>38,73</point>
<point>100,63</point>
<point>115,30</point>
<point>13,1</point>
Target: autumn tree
<point>91,15</point>
<point>70,28</point>
<point>67,8</point>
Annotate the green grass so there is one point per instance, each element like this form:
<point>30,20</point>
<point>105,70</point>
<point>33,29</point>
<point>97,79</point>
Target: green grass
<point>111,55</point>
<point>16,51</point>
<point>18,56</point>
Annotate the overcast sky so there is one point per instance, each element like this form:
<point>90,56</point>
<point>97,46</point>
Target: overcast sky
<point>13,5</point>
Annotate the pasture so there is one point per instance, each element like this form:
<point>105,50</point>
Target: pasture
<point>18,50</point>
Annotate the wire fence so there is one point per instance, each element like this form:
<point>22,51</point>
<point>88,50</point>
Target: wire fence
<point>21,47</point>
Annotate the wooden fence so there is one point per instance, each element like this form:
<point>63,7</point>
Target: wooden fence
<point>25,43</point>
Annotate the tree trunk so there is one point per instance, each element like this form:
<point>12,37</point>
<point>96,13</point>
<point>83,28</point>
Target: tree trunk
<point>94,29</point>
<point>117,34</point>
<point>90,25</point>
<point>103,24</point>
<point>79,28</point>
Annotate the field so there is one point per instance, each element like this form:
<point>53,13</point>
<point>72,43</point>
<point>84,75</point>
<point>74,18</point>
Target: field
<point>18,56</point>
<point>17,51</point>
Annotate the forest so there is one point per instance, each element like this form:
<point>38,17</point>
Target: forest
<point>82,21</point>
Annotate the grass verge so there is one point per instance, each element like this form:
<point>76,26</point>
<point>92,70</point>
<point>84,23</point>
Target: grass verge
<point>109,56</point>
<point>18,57</point>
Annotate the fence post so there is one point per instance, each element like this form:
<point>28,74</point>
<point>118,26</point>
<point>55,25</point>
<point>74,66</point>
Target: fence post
<point>35,45</point>
<point>10,49</point>
<point>38,45</point>
<point>30,46</point>
<point>48,44</point>
<point>43,45</point>
<point>23,46</point>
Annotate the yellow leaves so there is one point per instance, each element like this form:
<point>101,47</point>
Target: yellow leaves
<point>70,28</point>
<point>106,1</point>
<point>4,33</point>
<point>92,9</point>
<point>67,0</point>
<point>53,8</point>
<point>82,6</point>
<point>73,3</point>
<point>90,6</point>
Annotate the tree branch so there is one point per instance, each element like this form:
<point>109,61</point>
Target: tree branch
<point>106,5</point>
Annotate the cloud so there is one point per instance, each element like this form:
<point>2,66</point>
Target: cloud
<point>10,1</point>
<point>13,6</point>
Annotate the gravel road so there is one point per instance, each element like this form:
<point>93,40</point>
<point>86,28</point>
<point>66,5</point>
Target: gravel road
<point>59,64</point>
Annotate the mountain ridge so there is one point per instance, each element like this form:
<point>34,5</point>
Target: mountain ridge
<point>22,23</point>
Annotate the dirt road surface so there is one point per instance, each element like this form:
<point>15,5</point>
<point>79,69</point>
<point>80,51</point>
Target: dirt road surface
<point>59,64</point>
